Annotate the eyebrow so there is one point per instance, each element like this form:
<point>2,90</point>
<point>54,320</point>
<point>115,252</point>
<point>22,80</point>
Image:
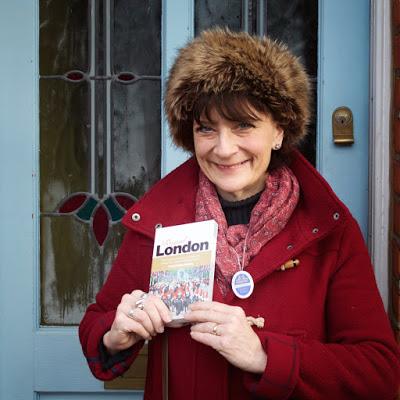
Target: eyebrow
<point>203,122</point>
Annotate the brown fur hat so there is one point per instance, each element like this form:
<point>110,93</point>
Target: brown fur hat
<point>220,61</point>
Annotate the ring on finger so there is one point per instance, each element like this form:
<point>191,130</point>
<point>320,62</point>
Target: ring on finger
<point>131,313</point>
<point>215,330</point>
<point>140,303</point>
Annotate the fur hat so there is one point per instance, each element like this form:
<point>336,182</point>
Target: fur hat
<point>220,61</point>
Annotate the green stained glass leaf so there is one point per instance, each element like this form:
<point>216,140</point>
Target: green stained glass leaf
<point>86,211</point>
<point>114,210</point>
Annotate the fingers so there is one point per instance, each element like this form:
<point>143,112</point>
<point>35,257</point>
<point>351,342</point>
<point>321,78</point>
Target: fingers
<point>207,339</point>
<point>215,312</point>
<point>140,317</point>
<point>226,330</point>
<point>151,314</point>
<point>136,323</point>
<point>148,310</point>
<point>139,314</point>
<point>216,306</point>
<point>153,305</point>
<point>206,327</point>
<point>162,309</point>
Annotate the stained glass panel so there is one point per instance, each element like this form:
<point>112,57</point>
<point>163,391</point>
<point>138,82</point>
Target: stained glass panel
<point>295,23</point>
<point>137,36</point>
<point>63,36</point>
<point>99,140</point>
<point>209,13</point>
<point>100,128</point>
<point>64,141</point>
<point>73,267</point>
<point>136,136</point>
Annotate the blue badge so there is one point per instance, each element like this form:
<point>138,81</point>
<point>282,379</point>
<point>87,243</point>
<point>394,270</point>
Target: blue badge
<point>242,284</point>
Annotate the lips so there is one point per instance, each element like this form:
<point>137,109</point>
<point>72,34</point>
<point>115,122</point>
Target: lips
<point>231,166</point>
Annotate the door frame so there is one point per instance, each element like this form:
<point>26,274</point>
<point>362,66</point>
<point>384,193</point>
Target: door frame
<point>380,106</point>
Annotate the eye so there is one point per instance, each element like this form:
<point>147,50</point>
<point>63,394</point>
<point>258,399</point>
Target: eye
<point>244,125</point>
<point>202,128</point>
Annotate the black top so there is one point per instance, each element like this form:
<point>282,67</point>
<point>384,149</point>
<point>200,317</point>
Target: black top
<point>239,212</point>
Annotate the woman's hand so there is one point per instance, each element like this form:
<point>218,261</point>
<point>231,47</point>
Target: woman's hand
<point>139,316</point>
<point>225,329</point>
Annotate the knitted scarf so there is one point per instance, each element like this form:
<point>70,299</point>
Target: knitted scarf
<point>238,244</point>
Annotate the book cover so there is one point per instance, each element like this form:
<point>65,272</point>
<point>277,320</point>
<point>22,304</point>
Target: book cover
<point>183,265</point>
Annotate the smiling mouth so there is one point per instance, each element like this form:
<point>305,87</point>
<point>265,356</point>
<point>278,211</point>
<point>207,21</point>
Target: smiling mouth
<point>231,166</point>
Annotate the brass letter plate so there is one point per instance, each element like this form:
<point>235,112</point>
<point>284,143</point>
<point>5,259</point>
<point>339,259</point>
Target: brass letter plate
<point>342,126</point>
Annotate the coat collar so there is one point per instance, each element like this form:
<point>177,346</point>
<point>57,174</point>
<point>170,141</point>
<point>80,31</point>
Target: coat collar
<point>172,201</point>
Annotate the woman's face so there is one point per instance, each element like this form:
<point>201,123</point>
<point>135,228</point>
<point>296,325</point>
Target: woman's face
<point>235,155</point>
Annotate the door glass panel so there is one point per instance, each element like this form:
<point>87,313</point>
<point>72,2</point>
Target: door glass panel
<point>294,22</point>
<point>74,267</point>
<point>137,41</point>
<point>136,133</point>
<point>64,141</point>
<point>64,36</point>
<point>99,140</point>
<point>209,13</point>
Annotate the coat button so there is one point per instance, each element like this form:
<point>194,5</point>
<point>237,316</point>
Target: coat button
<point>135,217</point>
<point>336,216</point>
<point>158,226</point>
<point>289,247</point>
<point>315,230</point>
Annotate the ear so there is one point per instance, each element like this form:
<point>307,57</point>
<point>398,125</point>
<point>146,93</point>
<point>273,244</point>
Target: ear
<point>278,137</point>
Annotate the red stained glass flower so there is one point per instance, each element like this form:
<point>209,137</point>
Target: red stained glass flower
<point>100,224</point>
<point>125,201</point>
<point>99,213</point>
<point>75,76</point>
<point>72,203</point>
<point>126,77</point>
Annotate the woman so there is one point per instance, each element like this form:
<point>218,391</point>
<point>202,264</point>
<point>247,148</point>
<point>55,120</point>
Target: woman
<point>240,104</point>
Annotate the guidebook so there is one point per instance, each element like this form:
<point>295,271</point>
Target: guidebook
<point>182,269</point>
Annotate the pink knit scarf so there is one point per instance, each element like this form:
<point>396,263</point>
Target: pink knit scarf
<point>238,244</point>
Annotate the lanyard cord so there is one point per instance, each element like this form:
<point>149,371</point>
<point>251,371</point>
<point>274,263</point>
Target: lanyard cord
<point>241,264</point>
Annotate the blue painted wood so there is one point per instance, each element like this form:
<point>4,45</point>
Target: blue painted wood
<point>72,373</point>
<point>18,129</point>
<point>344,81</point>
<point>85,396</point>
<point>178,28</point>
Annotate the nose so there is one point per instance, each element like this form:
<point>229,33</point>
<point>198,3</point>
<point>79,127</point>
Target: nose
<point>225,145</point>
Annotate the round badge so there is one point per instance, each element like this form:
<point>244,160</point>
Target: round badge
<point>242,284</point>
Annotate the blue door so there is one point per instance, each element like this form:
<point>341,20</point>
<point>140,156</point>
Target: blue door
<point>40,357</point>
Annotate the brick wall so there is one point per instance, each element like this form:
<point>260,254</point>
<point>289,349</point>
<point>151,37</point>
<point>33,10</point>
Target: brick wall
<point>395,172</point>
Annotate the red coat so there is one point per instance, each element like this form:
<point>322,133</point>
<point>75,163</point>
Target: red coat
<point>326,333</point>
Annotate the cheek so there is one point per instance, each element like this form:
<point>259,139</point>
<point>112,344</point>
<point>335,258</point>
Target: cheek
<point>264,156</point>
<point>200,148</point>
<point>261,148</point>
